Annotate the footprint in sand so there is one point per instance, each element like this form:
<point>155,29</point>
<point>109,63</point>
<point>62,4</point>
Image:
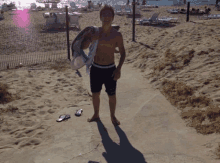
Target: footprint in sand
<point>38,88</point>
<point>27,123</point>
<point>68,75</point>
<point>30,142</point>
<point>41,106</point>
<point>20,135</point>
<point>51,111</point>
<point>47,101</point>
<point>30,110</point>
<point>14,132</point>
<point>61,79</point>
<point>53,73</point>
<point>42,112</point>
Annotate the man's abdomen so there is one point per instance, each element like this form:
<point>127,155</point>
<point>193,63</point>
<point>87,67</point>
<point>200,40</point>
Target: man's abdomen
<point>104,59</point>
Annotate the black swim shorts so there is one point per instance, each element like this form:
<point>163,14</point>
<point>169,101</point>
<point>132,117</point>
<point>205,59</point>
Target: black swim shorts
<point>102,74</point>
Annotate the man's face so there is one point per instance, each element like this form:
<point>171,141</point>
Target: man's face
<point>107,17</point>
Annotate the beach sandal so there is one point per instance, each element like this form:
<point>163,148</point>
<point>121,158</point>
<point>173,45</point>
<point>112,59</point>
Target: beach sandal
<point>63,117</point>
<point>79,112</point>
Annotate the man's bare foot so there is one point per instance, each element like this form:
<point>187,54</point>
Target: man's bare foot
<point>115,121</point>
<point>94,118</point>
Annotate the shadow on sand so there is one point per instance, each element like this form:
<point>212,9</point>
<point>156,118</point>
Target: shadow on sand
<point>161,25</point>
<point>115,153</point>
<point>146,10</point>
<point>56,30</point>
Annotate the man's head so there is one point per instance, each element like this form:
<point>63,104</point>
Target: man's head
<point>107,14</point>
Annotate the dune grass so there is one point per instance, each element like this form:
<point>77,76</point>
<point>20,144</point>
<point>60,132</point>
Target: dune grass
<point>194,108</point>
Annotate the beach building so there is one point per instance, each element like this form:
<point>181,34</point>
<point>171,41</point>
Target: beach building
<point>4,7</point>
<point>73,4</point>
<point>47,5</point>
<point>33,6</point>
<point>54,5</point>
<point>90,4</point>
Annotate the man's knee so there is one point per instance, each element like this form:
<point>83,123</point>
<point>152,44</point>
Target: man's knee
<point>95,94</point>
<point>111,94</point>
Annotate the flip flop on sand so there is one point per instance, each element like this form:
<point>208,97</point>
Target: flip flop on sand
<point>79,112</point>
<point>63,117</point>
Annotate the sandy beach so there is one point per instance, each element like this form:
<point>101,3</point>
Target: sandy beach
<point>168,100</point>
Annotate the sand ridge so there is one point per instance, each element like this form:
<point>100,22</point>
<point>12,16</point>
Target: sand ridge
<point>39,95</point>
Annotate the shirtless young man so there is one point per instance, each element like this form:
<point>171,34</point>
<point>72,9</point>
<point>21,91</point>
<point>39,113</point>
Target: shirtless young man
<point>103,69</point>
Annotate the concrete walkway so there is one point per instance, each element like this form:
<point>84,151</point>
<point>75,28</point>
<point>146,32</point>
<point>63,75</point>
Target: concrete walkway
<point>151,129</point>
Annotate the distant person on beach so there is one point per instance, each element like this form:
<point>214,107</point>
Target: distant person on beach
<point>207,10</point>
<point>103,69</point>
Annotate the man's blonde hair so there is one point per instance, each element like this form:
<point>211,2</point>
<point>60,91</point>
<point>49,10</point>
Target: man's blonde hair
<point>107,7</point>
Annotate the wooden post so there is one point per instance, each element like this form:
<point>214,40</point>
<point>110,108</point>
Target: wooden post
<point>67,32</point>
<point>187,14</point>
<point>133,39</point>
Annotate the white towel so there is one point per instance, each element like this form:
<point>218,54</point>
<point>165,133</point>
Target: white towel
<point>79,57</point>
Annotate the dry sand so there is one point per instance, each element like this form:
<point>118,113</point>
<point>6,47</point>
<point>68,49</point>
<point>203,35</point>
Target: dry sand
<point>180,61</point>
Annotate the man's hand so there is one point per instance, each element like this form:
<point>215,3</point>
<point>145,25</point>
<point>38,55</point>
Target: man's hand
<point>96,35</point>
<point>116,74</point>
<point>117,51</point>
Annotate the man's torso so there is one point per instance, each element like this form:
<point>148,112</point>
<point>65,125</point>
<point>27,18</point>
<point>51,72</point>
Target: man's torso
<point>106,48</point>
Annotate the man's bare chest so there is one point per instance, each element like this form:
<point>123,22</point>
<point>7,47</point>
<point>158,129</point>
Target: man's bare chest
<point>107,42</point>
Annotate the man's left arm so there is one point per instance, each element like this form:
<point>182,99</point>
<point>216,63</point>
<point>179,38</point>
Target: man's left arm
<point>120,45</point>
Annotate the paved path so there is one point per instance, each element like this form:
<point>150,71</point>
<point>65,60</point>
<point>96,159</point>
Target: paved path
<point>151,129</point>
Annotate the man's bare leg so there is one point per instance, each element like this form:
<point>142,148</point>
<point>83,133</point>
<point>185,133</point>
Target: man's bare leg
<point>112,104</point>
<point>96,104</point>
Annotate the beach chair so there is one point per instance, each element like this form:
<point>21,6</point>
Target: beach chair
<point>211,16</point>
<point>152,20</point>
<point>151,6</point>
<point>74,21</point>
<point>128,10</point>
<point>46,15</point>
<point>50,21</point>
<point>214,16</point>
<point>167,20</point>
<point>61,20</point>
<point>118,10</point>
<point>77,13</point>
<point>173,11</point>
